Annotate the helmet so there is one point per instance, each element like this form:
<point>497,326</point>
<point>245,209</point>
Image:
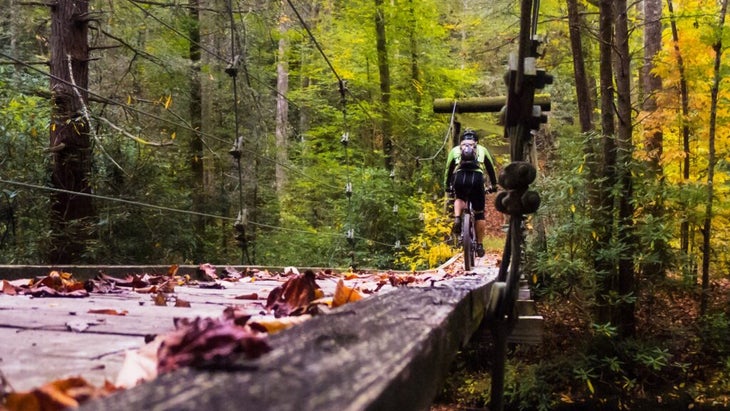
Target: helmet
<point>469,134</point>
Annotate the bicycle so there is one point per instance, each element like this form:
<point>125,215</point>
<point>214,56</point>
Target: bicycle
<point>468,237</point>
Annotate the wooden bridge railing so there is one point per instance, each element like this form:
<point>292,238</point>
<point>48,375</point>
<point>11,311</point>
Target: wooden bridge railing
<point>391,351</point>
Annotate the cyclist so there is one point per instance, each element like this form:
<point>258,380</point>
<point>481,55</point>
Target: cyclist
<point>466,182</point>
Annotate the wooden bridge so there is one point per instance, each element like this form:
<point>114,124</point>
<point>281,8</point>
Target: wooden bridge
<point>391,350</point>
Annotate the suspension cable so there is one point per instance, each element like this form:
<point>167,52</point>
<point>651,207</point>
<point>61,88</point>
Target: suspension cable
<point>232,71</point>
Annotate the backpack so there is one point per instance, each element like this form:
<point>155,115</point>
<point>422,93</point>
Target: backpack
<point>468,158</point>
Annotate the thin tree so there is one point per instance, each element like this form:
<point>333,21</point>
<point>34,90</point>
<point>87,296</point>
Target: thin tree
<point>684,97</point>
<point>624,318</point>
<point>652,83</point>
<point>653,134</point>
<point>197,165</point>
<point>582,91</point>
<point>282,105</point>
<point>711,158</point>
<point>603,218</point>
<point>384,71</point>
<point>72,215</point>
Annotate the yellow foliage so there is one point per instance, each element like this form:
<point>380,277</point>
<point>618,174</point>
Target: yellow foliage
<point>429,248</point>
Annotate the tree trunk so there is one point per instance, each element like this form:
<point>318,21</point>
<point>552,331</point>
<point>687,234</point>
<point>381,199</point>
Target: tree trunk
<point>582,91</point>
<point>711,160</point>
<point>415,69</point>
<point>625,318</point>
<point>684,97</point>
<point>282,106</point>
<point>197,167</point>
<point>384,71</point>
<point>653,135</point>
<point>652,83</point>
<point>603,220</point>
<point>71,215</point>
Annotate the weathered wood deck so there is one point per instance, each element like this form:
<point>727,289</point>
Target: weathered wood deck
<point>391,350</point>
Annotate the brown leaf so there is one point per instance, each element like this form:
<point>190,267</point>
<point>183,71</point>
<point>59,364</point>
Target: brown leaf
<point>206,272</point>
<point>294,296</point>
<point>236,314</point>
<point>202,342</point>
<point>252,296</point>
<point>160,299</point>
<point>182,303</point>
<point>345,294</point>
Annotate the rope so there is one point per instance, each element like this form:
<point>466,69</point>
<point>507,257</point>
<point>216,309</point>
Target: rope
<point>348,185</point>
<point>232,71</point>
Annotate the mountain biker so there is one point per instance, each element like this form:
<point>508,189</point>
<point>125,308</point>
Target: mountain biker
<point>466,182</point>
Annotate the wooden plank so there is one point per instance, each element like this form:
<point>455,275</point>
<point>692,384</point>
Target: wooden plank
<point>32,358</point>
<point>482,104</point>
<point>390,351</point>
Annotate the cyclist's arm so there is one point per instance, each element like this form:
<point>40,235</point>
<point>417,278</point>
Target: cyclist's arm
<point>450,166</point>
<point>490,172</point>
<point>489,167</point>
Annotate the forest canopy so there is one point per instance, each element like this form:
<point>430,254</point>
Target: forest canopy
<point>303,133</point>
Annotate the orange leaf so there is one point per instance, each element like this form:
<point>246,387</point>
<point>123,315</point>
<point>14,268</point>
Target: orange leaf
<point>108,311</point>
<point>345,294</point>
<point>8,288</point>
<point>57,395</point>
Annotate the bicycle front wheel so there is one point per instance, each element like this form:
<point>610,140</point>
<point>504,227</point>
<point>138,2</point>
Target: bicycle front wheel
<point>467,241</point>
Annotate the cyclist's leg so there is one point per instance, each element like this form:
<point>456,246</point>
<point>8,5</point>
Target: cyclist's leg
<point>461,191</point>
<point>477,198</point>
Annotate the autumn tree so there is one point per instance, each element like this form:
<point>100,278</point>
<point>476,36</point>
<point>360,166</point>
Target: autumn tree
<point>70,134</point>
<point>717,47</point>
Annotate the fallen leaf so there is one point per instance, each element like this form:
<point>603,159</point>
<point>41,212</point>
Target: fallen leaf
<point>274,325</point>
<point>206,341</point>
<point>108,311</point>
<point>160,299</point>
<point>8,288</point>
<point>139,365</point>
<point>294,296</point>
<point>182,303</point>
<point>78,326</point>
<point>206,272</point>
<point>345,294</point>
<point>56,395</point>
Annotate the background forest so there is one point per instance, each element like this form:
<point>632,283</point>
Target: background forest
<point>303,133</point>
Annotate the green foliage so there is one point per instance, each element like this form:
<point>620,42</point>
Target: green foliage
<point>561,258</point>
<point>23,129</point>
<point>714,330</point>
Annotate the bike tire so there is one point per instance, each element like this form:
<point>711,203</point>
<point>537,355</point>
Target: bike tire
<point>467,241</point>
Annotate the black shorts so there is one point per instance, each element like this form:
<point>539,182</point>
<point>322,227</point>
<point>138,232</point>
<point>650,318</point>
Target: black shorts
<point>469,185</point>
